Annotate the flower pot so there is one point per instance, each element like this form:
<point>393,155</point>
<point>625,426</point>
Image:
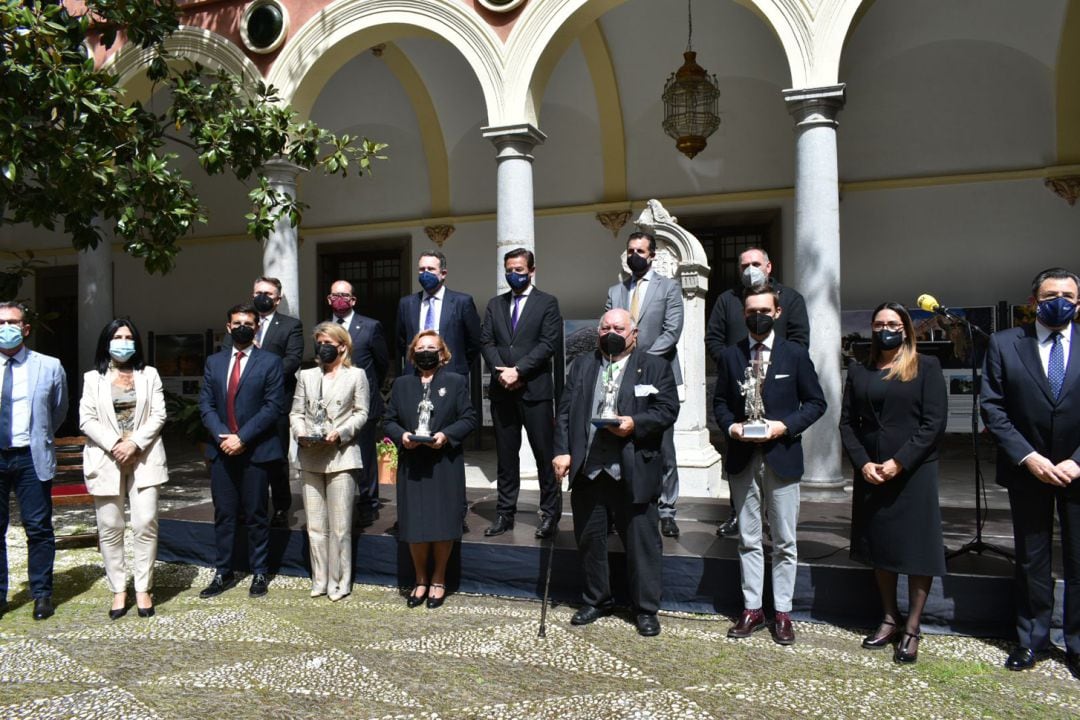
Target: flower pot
<point>387,471</point>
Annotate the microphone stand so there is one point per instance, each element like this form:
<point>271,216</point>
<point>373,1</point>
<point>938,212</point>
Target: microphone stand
<point>976,545</point>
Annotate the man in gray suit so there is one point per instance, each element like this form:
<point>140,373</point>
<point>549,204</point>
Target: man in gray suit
<point>33,403</point>
<point>655,304</point>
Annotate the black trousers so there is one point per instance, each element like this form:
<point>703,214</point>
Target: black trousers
<point>636,523</point>
<point>367,477</point>
<point>280,492</point>
<point>238,489</point>
<point>1033,529</point>
<point>509,415</point>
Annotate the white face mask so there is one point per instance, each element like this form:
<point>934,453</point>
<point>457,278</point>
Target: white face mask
<point>754,277</point>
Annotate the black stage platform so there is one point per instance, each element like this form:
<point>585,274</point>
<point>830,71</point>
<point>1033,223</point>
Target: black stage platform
<point>701,571</point>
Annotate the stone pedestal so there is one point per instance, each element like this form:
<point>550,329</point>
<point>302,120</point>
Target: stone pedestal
<point>817,266</point>
<point>514,218</point>
<point>281,249</point>
<point>95,299</point>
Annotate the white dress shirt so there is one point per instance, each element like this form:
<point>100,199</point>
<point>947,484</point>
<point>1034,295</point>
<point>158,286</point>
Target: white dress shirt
<point>1043,333</point>
<point>438,296</point>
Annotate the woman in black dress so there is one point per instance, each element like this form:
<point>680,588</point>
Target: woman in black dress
<point>893,416</point>
<point>431,474</point>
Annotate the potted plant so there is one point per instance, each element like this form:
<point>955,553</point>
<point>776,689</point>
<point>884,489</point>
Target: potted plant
<point>386,451</point>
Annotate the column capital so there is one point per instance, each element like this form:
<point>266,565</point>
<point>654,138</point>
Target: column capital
<point>281,171</point>
<point>816,106</point>
<point>514,141</point>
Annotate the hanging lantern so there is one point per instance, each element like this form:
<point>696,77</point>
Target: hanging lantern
<point>691,102</point>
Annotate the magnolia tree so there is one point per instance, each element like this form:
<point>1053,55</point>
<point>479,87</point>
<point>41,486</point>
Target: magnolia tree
<point>74,155</point>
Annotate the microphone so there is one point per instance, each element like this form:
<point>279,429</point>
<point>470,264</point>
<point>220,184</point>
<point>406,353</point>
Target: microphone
<point>929,303</point>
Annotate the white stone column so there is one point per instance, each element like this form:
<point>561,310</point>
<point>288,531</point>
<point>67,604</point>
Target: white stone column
<point>281,249</point>
<point>817,265</point>
<point>95,299</point>
<point>514,217</point>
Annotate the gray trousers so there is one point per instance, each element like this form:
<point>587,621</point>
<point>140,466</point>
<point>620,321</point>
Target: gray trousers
<point>669,490</point>
<point>753,490</point>
<point>328,504</point>
<point>144,532</point>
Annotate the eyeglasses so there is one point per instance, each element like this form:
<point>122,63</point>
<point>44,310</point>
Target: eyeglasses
<point>894,326</point>
<point>341,295</point>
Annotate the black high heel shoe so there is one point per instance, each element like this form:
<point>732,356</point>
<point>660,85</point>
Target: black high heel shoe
<point>907,652</point>
<point>415,600</point>
<point>120,612</point>
<point>878,639</point>
<point>144,612</point>
<point>434,602</point>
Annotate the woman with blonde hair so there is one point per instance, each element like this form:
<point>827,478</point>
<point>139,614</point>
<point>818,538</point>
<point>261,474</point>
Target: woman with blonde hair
<point>122,412</point>
<point>431,468</point>
<point>892,418</point>
<point>328,410</point>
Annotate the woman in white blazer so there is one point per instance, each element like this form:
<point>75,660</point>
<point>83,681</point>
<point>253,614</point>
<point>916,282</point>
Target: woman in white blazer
<point>122,412</point>
<point>328,410</point>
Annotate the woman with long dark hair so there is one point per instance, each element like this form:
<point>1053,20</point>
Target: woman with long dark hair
<point>122,412</point>
<point>893,415</point>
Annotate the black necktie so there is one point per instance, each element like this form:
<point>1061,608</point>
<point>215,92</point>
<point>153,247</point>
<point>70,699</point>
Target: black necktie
<point>5,405</point>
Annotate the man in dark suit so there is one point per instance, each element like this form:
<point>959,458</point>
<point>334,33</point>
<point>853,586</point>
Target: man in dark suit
<point>617,468</point>
<point>284,336</point>
<point>1031,403</point>
<point>452,314</point>
<point>522,330</point>
<point>764,472</point>
<point>655,304</point>
<point>368,353</point>
<point>241,398</point>
<point>727,327</point>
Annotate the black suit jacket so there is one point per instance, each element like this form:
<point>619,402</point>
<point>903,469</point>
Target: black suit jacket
<point>1019,409</point>
<point>727,326</point>
<point>910,424</point>
<point>260,400</point>
<point>459,326</point>
<point>653,413</point>
<point>529,347</point>
<point>791,395</point>
<point>369,353</point>
<point>284,338</point>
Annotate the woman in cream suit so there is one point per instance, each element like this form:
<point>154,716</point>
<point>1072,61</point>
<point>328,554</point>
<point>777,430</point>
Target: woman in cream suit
<point>122,412</point>
<point>328,410</point>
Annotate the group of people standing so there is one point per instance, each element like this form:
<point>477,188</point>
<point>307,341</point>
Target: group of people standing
<point>609,435</point>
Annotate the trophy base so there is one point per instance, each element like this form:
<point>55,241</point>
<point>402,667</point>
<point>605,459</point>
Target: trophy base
<point>755,430</point>
<point>422,438</point>
<point>313,438</point>
<point>600,422</point>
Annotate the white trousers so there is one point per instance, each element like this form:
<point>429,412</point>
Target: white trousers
<point>144,529</point>
<point>754,490</point>
<point>328,504</point>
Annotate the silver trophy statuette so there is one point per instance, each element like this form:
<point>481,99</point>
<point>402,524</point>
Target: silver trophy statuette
<point>320,425</point>
<point>608,414</point>
<point>423,432</point>
<point>751,387</point>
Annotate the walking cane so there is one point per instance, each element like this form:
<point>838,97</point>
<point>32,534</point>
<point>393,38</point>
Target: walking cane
<point>547,584</point>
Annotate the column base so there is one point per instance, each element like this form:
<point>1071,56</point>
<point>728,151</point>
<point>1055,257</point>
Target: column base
<point>699,464</point>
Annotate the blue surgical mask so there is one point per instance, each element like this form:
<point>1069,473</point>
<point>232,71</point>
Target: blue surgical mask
<point>429,281</point>
<point>1056,312</point>
<point>11,336</point>
<point>518,281</point>
<point>121,350</point>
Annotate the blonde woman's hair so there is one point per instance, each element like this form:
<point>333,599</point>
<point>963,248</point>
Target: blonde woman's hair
<point>906,366</point>
<point>337,333</point>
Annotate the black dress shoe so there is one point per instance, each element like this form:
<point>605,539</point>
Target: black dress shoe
<point>43,608</point>
<point>259,585</point>
<point>502,524</point>
<point>434,602</point>
<point>1072,661</point>
<point>749,622</point>
<point>218,585</point>
<point>668,528</point>
<point>118,613</point>
<point>547,528</point>
<point>415,600</point>
<point>886,633</point>
<point>280,519</point>
<point>146,612</point>
<point>589,614</point>
<point>729,527</point>
<point>783,631</point>
<point>647,624</point>
<point>392,531</point>
<point>1021,658</point>
<point>907,650</point>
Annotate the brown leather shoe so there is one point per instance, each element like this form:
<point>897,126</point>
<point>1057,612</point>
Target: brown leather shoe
<point>749,622</point>
<point>783,632</point>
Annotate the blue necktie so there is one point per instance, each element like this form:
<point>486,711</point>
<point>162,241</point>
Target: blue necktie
<point>429,319</point>
<point>514,315</point>
<point>1055,369</point>
<point>5,405</point>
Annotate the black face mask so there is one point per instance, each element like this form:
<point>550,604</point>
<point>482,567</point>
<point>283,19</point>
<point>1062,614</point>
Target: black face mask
<point>426,359</point>
<point>889,339</point>
<point>263,303</point>
<point>612,344</point>
<point>326,353</point>
<point>242,335</point>
<point>759,324</point>
<point>638,264</point>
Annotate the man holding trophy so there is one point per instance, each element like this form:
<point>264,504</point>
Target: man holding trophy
<point>615,407</point>
<point>767,395</point>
